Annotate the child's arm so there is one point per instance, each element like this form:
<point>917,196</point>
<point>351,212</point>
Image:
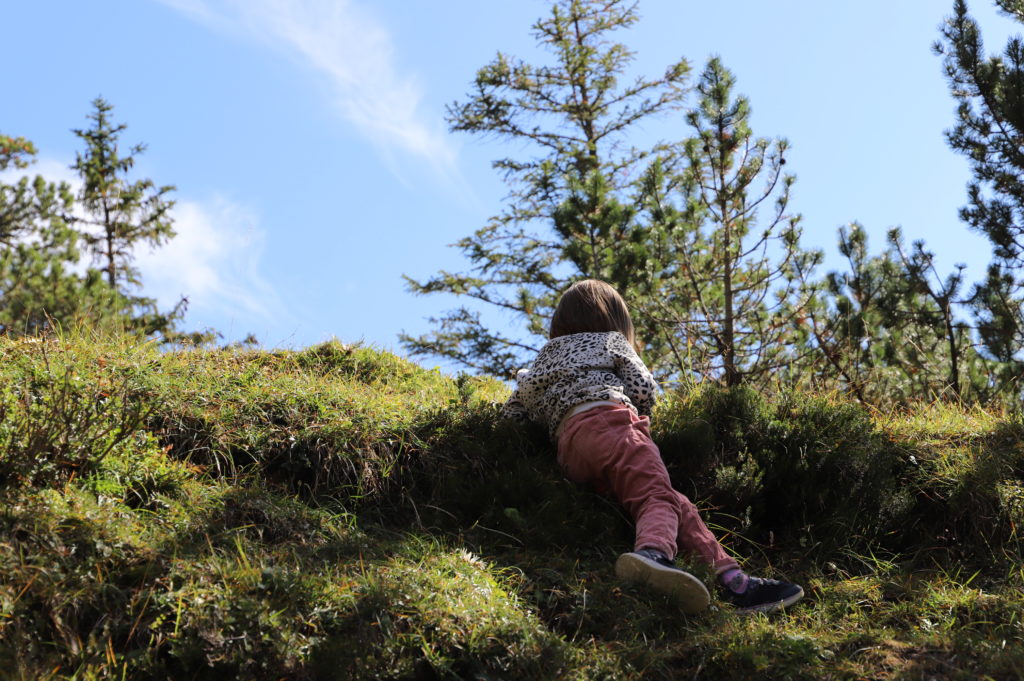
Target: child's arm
<point>514,409</point>
<point>639,385</point>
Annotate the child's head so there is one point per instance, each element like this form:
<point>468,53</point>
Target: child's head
<point>591,305</point>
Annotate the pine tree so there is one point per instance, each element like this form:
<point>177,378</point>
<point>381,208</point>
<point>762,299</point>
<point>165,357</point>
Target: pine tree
<point>570,212</point>
<point>729,247</point>
<point>15,152</point>
<point>990,132</point>
<point>20,202</point>
<point>886,328</point>
<point>120,215</point>
<point>942,295</point>
<point>39,252</point>
<point>44,229</point>
<point>123,214</point>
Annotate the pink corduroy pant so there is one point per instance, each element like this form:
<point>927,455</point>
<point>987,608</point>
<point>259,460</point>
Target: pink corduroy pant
<point>610,448</point>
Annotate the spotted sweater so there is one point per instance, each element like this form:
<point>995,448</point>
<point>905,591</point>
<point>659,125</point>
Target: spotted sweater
<point>578,368</point>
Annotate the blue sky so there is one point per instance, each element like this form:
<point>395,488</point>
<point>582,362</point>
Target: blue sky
<point>313,167</point>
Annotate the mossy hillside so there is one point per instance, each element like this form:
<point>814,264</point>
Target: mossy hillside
<point>338,512</point>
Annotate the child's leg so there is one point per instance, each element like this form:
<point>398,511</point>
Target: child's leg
<point>612,449</point>
<point>694,536</point>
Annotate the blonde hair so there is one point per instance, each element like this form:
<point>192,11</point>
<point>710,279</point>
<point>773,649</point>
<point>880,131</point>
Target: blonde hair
<point>591,305</point>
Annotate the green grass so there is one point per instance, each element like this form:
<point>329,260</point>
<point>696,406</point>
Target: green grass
<point>341,513</point>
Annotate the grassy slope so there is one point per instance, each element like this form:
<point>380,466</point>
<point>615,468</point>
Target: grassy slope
<point>340,513</point>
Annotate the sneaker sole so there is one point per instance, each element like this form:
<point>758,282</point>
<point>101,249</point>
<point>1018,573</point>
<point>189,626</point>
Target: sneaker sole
<point>688,592</point>
<point>774,605</point>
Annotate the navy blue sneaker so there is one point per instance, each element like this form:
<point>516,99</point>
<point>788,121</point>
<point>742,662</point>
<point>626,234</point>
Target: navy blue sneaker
<point>762,595</point>
<point>656,570</point>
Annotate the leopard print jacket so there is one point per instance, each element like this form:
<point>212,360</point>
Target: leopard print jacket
<point>579,368</point>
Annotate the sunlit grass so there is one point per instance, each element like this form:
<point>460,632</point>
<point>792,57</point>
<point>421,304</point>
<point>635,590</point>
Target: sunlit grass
<point>338,512</point>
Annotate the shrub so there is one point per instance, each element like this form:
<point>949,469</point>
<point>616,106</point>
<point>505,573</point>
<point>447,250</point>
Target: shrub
<point>57,421</point>
<point>797,469</point>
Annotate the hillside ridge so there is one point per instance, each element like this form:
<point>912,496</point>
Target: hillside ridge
<point>338,512</point>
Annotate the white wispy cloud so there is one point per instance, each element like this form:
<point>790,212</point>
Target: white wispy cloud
<point>351,48</point>
<point>214,261</point>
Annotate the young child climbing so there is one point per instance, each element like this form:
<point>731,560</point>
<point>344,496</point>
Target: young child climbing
<point>592,391</point>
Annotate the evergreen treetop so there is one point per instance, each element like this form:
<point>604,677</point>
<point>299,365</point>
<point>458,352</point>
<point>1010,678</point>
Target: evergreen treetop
<point>566,214</point>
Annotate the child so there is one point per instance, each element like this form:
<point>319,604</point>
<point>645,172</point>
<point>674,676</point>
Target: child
<point>594,393</point>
